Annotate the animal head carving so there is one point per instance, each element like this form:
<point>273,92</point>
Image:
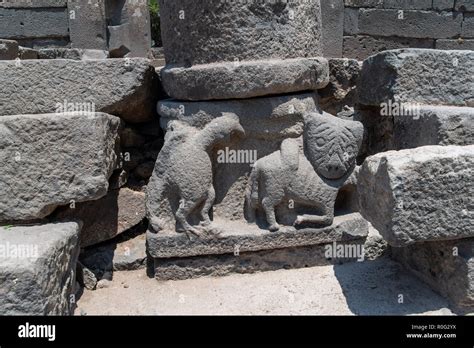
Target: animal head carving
<point>331,144</point>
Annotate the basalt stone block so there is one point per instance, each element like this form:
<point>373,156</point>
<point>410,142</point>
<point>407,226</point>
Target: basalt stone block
<point>27,53</point>
<point>464,5</point>
<point>249,48</point>
<point>87,24</point>
<point>418,195</point>
<point>107,217</point>
<point>332,13</point>
<point>434,125</point>
<point>448,267</point>
<point>242,237</point>
<point>455,44</point>
<point>121,87</point>
<point>37,269</point>
<point>50,160</point>
<point>24,23</point>
<point>410,23</point>
<point>8,49</point>
<point>432,77</point>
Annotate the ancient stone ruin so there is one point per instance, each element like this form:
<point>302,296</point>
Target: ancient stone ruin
<point>250,150</point>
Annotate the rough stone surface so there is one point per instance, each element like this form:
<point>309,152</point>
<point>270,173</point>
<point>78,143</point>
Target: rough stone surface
<point>361,47</point>
<point>434,125</point>
<point>244,79</point>
<point>129,28</point>
<point>183,174</point>
<point>455,44</point>
<point>122,254</point>
<point>464,5</point>
<point>248,262</point>
<point>341,90</point>
<point>389,76</point>
<point>448,267</point>
<point>415,24</point>
<point>332,14</point>
<point>33,4</point>
<point>107,217</point>
<point>40,282</point>
<point>8,49</point>
<point>242,237</point>
<point>312,177</point>
<point>27,53</point>
<point>239,30</point>
<point>250,48</point>
<point>87,24</point>
<point>72,53</point>
<point>417,195</point>
<point>52,159</point>
<point>124,88</point>
<point>19,23</point>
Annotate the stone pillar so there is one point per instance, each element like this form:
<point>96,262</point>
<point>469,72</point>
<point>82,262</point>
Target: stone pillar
<point>87,24</point>
<point>241,169</point>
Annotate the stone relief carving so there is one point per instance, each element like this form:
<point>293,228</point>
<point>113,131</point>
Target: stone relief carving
<point>309,174</point>
<point>183,173</point>
<point>312,178</point>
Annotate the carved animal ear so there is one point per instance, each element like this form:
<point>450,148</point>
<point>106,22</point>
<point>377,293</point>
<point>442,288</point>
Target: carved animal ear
<point>290,154</point>
<point>357,129</point>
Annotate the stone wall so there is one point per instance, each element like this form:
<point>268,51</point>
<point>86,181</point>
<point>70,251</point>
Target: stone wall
<point>119,26</point>
<point>360,28</point>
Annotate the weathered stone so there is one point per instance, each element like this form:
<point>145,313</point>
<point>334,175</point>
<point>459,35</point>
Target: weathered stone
<point>341,90</point>
<point>240,237</point>
<point>8,49</point>
<point>72,53</point>
<point>468,26</point>
<point>351,21</point>
<point>361,47</point>
<point>443,5</point>
<point>332,14</point>
<point>37,269</point>
<point>245,79</point>
<point>246,56</point>
<point>416,195</point>
<point>33,4</point>
<point>183,173</point>
<point>459,44</point>
<point>27,53</point>
<point>19,23</point>
<point>50,160</point>
<point>107,217</point>
<point>129,28</point>
<point>124,88</point>
<point>87,24</point>
<point>415,24</point>
<point>116,255</point>
<point>91,54</point>
<point>448,267</point>
<point>464,5</point>
<point>375,246</point>
<point>363,3</point>
<point>395,71</point>
<point>86,277</point>
<point>434,125</point>
<point>266,122</point>
<point>252,262</point>
<point>408,4</point>
<point>312,177</point>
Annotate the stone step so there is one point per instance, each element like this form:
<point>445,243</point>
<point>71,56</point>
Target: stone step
<point>121,87</point>
<point>418,195</point>
<point>37,269</point>
<point>50,160</point>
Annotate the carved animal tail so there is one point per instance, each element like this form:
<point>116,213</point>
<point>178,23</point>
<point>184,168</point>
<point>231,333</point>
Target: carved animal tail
<point>251,194</point>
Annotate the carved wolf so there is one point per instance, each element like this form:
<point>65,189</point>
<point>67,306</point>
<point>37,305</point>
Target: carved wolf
<point>184,170</point>
<point>313,179</point>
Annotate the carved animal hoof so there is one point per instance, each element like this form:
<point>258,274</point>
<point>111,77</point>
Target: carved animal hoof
<point>274,228</point>
<point>299,220</point>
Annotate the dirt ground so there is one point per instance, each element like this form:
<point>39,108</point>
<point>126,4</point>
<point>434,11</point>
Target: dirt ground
<point>378,287</point>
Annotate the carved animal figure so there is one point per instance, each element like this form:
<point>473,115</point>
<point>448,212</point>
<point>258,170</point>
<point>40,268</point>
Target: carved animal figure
<point>183,171</point>
<point>311,179</point>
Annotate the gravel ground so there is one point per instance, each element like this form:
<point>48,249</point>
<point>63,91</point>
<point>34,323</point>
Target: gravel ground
<point>366,288</point>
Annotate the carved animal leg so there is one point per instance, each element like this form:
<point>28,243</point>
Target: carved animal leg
<point>185,208</point>
<point>211,196</point>
<point>269,208</point>
<point>325,219</point>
